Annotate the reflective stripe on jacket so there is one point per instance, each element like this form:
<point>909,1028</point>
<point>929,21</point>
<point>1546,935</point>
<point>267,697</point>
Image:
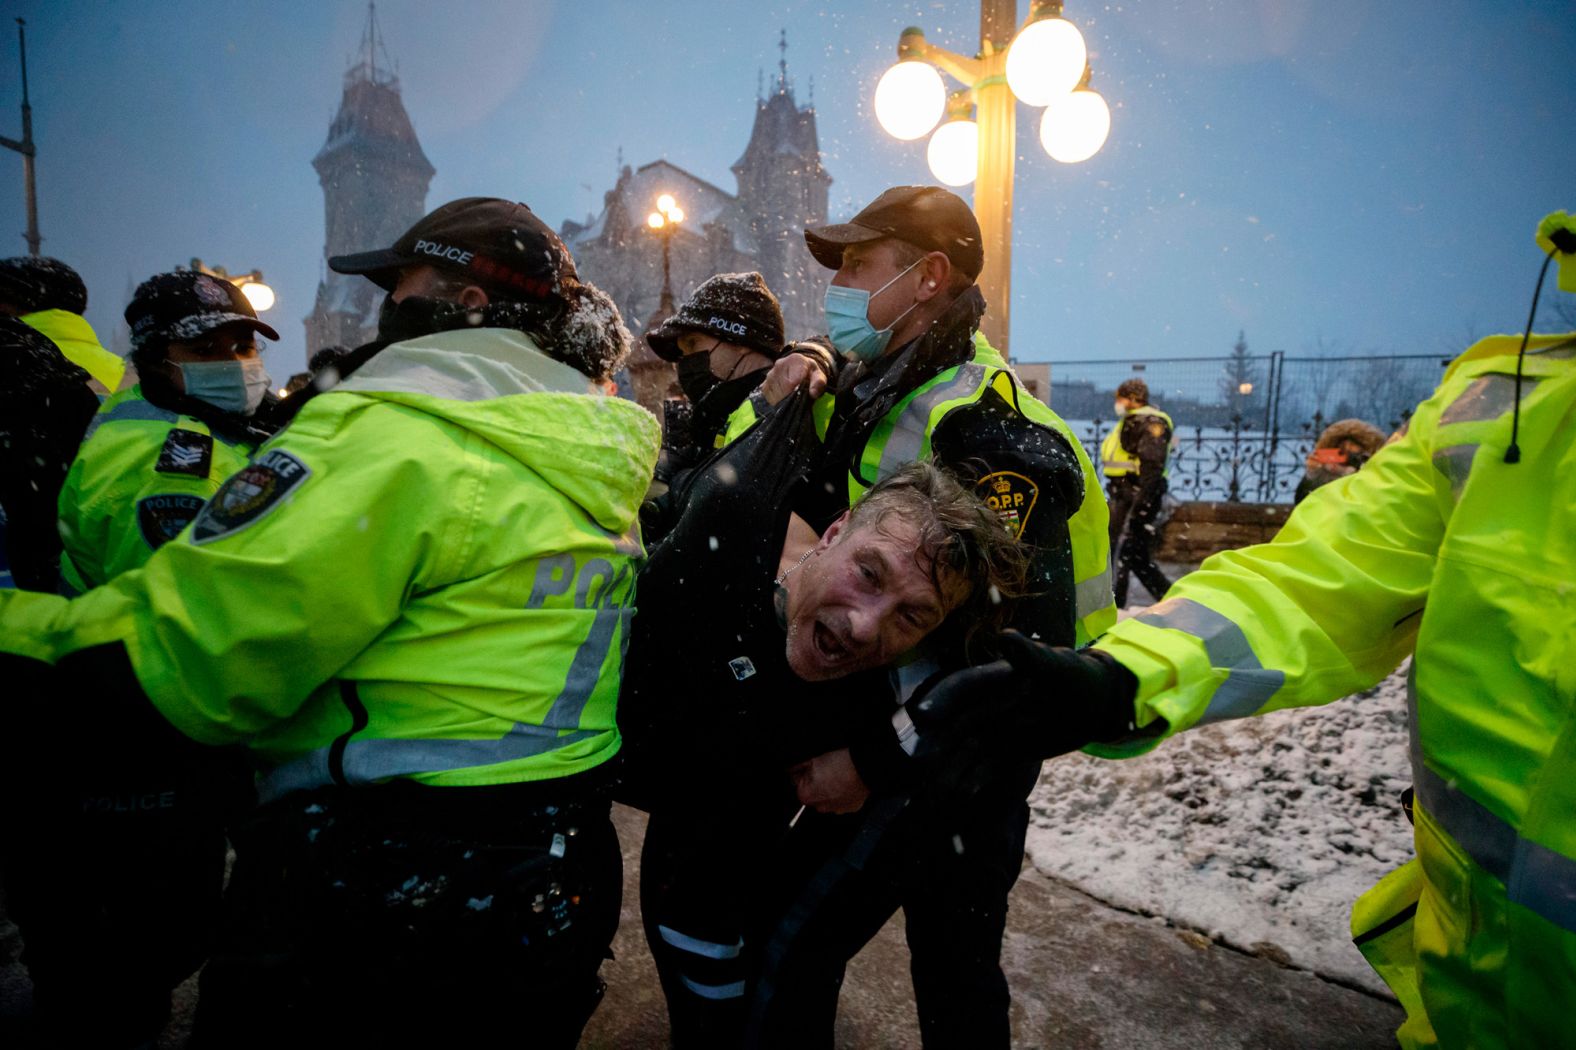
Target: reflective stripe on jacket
<point>428,575</point>
<point>80,345</point>
<point>1115,460</point>
<point>126,494</point>
<point>1439,549</point>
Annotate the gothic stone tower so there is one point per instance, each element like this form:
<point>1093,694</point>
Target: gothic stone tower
<point>783,189</point>
<point>374,178</point>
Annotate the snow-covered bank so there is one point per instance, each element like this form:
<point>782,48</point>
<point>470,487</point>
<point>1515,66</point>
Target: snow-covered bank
<point>1261,830</point>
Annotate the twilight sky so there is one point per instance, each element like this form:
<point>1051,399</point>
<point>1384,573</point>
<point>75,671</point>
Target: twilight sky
<point>1359,172</point>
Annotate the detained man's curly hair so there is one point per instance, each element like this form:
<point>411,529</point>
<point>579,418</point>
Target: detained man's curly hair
<point>960,538</point>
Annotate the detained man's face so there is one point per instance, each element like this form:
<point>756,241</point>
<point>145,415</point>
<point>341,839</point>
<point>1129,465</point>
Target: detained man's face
<point>863,599</point>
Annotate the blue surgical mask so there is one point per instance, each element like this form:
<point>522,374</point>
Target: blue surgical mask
<point>233,386</point>
<point>848,320</point>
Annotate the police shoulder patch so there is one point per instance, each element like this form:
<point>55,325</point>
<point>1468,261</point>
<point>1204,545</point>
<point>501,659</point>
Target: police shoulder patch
<point>186,452</point>
<point>249,494</point>
<point>1011,496</point>
<point>161,518</point>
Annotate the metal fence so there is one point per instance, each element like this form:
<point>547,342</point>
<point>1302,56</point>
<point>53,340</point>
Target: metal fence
<point>1244,424</point>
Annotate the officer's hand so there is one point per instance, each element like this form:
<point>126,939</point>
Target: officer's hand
<point>1077,697</point>
<point>791,372</point>
<point>829,783</point>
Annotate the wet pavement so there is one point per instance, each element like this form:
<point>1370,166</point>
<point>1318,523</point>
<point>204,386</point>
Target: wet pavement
<point>1083,975</point>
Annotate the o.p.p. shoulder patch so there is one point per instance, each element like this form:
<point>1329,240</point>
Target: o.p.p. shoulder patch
<point>1011,496</point>
<point>249,494</point>
<point>161,518</point>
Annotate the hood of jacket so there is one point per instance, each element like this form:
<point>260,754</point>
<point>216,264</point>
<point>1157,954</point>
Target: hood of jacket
<point>77,340</point>
<point>496,383</point>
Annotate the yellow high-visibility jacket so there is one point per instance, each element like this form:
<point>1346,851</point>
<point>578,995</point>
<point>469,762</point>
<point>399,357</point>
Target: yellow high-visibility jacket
<point>429,575</point>
<point>1441,550</point>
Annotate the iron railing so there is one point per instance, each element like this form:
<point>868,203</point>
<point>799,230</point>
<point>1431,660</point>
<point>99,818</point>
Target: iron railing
<point>1245,425</point>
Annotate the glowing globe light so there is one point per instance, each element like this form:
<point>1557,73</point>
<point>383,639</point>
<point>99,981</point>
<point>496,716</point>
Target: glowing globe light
<point>655,221</point>
<point>1075,126</point>
<point>259,295</point>
<point>666,203</point>
<point>910,99</point>
<point>1046,61</point>
<point>675,214</point>
<point>954,152</point>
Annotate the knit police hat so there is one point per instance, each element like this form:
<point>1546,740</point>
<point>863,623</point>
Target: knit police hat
<point>496,244</point>
<point>736,308</point>
<point>184,305</point>
<point>32,283</point>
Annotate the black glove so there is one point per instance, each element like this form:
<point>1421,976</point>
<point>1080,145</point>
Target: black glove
<point>1041,699</point>
<point>1076,696</point>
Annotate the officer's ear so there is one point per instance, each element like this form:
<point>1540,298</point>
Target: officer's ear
<point>472,296</point>
<point>935,276</point>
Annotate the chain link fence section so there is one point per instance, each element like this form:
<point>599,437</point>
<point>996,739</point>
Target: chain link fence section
<point>1244,423</point>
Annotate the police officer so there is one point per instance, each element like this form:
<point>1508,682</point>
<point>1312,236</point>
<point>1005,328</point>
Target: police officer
<point>1453,546</point>
<point>158,450</point>
<point>45,406</point>
<point>903,311</point>
<point>411,608</point>
<point>1135,456</point>
<point>152,456</point>
<point>724,339</point>
<point>50,297</point>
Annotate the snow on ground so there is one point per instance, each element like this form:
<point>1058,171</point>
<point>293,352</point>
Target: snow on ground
<point>1259,832</point>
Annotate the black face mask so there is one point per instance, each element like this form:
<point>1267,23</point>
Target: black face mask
<point>415,316</point>
<point>713,398</point>
<point>695,376</point>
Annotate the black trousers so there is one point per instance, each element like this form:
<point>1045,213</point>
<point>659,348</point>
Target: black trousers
<point>949,866</point>
<point>702,872</point>
<point>114,878</point>
<point>1134,537</point>
<point>399,915</point>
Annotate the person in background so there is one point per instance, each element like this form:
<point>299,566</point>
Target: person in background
<point>49,296</point>
<point>45,405</point>
<point>1135,457</point>
<point>1341,449</point>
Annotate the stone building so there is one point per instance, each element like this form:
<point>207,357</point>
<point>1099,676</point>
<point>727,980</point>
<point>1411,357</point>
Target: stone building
<point>374,177</point>
<point>782,188</point>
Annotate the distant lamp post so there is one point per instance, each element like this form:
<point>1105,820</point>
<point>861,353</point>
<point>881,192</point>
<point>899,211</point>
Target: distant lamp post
<point>28,150</point>
<point>665,221</point>
<point>1044,63</point>
<point>251,284</point>
<point>1244,389</point>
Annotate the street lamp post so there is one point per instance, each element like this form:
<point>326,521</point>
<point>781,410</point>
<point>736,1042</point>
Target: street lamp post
<point>251,284</point>
<point>28,150</point>
<point>1044,64</point>
<point>665,221</point>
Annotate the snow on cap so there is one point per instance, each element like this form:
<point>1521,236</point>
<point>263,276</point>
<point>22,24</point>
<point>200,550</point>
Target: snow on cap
<point>928,217</point>
<point>186,304</point>
<point>736,308</point>
<point>31,283</point>
<point>496,244</point>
